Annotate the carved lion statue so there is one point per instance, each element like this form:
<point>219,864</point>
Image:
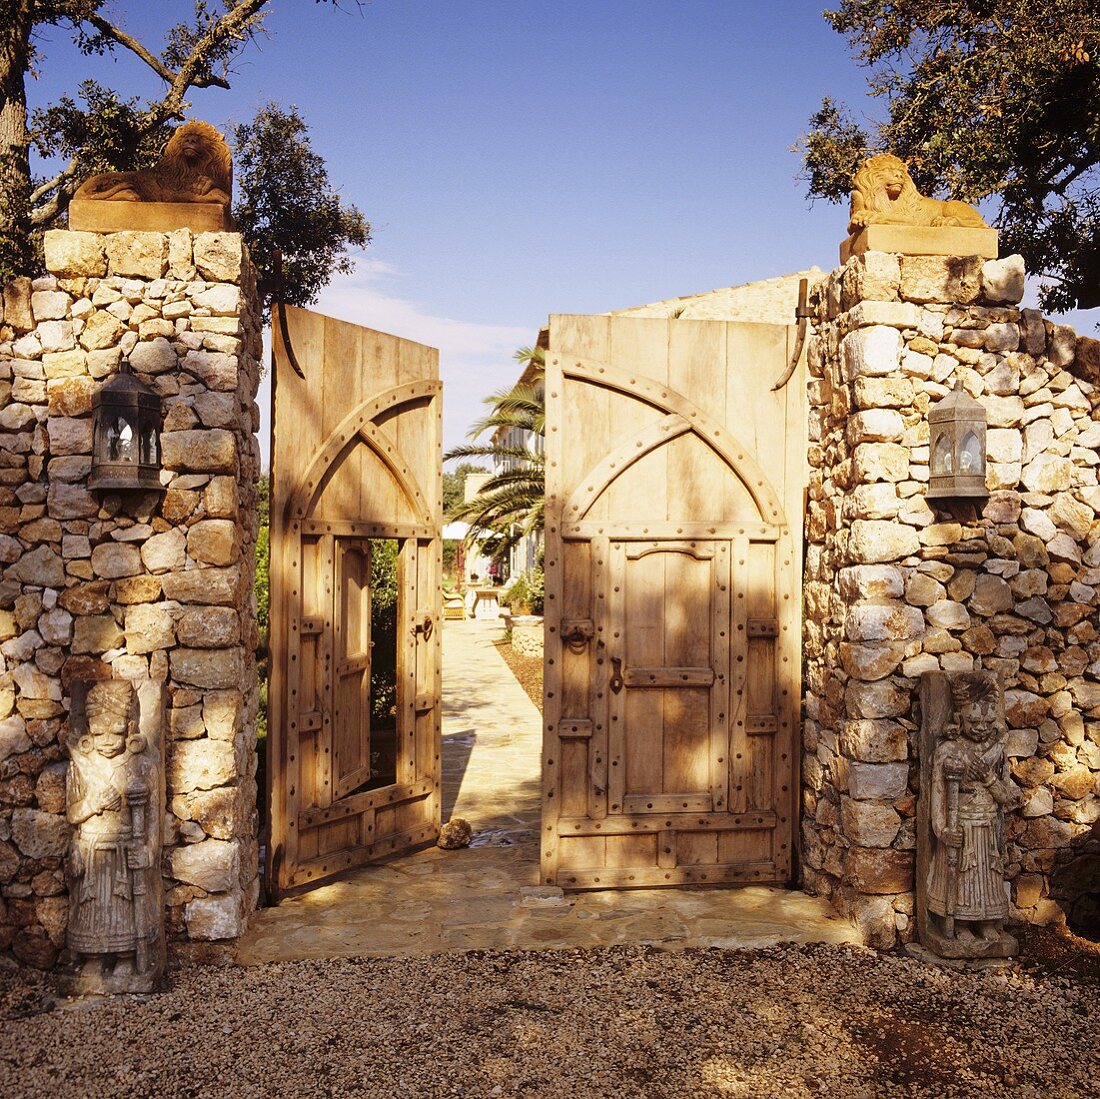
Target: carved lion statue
<point>883,193</point>
<point>196,166</point>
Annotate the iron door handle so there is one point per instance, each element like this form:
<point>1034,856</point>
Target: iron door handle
<point>616,683</point>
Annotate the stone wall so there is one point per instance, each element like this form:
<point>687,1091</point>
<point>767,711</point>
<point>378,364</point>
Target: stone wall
<point>895,587</point>
<point>100,585</point>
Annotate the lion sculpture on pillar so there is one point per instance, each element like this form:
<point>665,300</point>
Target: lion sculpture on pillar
<point>196,166</point>
<point>883,193</point>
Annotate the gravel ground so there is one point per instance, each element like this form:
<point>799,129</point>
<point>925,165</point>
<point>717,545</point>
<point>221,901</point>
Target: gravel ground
<point>624,1022</point>
<point>526,669</point>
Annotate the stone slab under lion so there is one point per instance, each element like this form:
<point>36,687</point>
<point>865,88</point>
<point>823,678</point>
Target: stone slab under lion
<point>119,215</point>
<point>922,240</point>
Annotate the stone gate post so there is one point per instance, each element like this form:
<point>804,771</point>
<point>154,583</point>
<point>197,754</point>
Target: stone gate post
<point>101,585</point>
<point>895,587</point>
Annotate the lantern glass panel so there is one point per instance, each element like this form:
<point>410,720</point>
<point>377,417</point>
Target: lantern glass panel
<point>942,457</point>
<point>970,456</point>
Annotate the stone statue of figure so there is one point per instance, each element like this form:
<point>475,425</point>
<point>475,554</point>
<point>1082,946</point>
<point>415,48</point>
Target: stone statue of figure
<point>115,800</point>
<point>965,789</point>
<point>196,167</point>
<point>883,193</point>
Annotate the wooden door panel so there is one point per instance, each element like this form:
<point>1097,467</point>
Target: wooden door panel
<point>355,688</point>
<point>672,657</point>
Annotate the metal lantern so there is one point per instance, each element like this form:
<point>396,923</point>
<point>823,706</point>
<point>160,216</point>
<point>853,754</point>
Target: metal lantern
<point>957,447</point>
<point>125,435</point>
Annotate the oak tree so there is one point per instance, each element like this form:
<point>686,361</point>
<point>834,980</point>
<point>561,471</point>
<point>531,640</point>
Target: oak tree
<point>994,101</point>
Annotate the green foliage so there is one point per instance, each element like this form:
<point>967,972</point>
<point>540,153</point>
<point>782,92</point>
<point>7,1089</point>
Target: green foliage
<point>511,503</point>
<point>286,203</point>
<point>383,630</point>
<point>454,485</point>
<point>528,589</point>
<point>98,130</point>
<point>996,101</point>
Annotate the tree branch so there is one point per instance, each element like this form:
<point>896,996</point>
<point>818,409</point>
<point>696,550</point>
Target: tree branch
<point>66,173</point>
<point>234,24</point>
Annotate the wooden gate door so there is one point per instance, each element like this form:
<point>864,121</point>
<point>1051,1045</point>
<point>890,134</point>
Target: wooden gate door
<point>354,698</point>
<point>672,602</point>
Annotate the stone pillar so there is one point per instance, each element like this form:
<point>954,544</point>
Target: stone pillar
<point>895,587</point>
<point>105,586</point>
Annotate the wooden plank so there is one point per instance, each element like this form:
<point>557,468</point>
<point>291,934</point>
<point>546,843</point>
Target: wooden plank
<point>313,871</point>
<point>690,802</point>
<point>719,716</point>
<point>598,559</point>
<point>615,595</point>
<point>575,728</point>
<point>677,822</point>
<point>739,563</point>
<point>667,677</point>
<point>638,431</point>
<point>646,530</point>
<point>648,877</point>
<point>368,799</point>
<point>554,568</point>
<point>355,529</point>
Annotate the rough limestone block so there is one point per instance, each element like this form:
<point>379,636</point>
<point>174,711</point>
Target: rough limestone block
<point>868,824</point>
<point>213,865</point>
<point>1003,279</point>
<point>13,737</point>
<point>165,552</point>
<point>50,305</point>
<point>881,462</point>
<point>882,781</point>
<point>955,279</point>
<point>874,740</point>
<point>210,627</point>
<point>876,700</point>
<point>213,451</point>
<point>39,835</point>
<point>215,668</point>
<point>223,714</point>
<point>200,765</point>
<point>213,542</point>
<point>874,541</point>
<point>96,633</point>
<point>153,356</point>
<point>101,330</point>
<point>212,918</point>
<point>136,254</point>
<point>870,351</point>
<point>879,871</point>
<point>887,621</point>
<point>17,304</point>
<point>216,586</point>
<point>150,626</point>
<point>213,369</point>
<point>112,560</point>
<point>871,660</point>
<point>218,256</point>
<point>895,314</point>
<point>875,425</point>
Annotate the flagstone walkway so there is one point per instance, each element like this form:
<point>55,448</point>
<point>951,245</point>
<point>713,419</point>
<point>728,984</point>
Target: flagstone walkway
<point>487,896</point>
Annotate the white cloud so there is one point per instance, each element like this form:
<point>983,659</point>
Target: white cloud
<point>475,359</point>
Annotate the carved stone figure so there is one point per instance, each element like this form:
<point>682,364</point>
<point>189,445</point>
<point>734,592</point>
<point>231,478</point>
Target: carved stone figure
<point>196,167</point>
<point>115,800</point>
<point>883,193</point>
<point>965,789</point>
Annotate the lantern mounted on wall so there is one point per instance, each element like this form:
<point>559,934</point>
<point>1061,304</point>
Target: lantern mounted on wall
<point>957,448</point>
<point>126,423</point>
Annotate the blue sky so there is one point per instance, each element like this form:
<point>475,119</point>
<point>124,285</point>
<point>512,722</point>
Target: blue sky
<point>523,157</point>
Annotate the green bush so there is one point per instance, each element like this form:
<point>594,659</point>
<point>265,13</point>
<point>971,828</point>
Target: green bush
<point>528,588</point>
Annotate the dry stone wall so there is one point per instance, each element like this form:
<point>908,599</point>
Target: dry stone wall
<point>895,587</point>
<point>104,586</point>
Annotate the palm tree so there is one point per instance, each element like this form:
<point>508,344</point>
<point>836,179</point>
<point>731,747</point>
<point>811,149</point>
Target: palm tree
<point>511,504</point>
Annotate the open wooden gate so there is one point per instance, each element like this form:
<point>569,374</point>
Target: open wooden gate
<point>354,698</point>
<point>672,602</point>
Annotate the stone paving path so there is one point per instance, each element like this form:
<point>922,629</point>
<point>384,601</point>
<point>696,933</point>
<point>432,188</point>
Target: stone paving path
<point>487,896</point>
